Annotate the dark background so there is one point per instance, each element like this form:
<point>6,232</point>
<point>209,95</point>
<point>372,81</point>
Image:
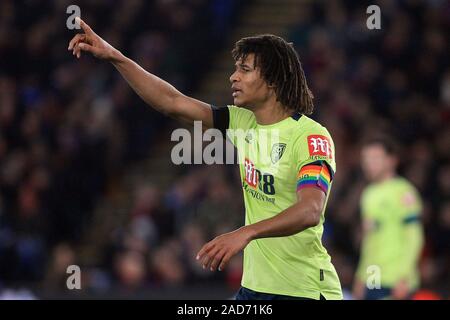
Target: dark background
<point>85,170</point>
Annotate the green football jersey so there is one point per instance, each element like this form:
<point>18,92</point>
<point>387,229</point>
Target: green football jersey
<point>393,232</point>
<point>270,158</point>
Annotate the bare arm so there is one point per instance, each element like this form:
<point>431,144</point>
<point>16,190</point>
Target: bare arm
<point>300,216</point>
<point>156,92</point>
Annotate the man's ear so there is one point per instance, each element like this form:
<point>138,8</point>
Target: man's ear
<point>272,90</point>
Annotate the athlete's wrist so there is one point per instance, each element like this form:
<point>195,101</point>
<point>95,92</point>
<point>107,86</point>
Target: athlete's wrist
<point>116,57</point>
<point>249,232</point>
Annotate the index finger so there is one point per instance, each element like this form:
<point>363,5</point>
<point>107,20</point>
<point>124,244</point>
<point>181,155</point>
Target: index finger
<point>84,26</point>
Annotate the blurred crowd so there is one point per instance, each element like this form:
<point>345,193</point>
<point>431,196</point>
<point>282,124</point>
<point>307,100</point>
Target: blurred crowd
<point>69,128</point>
<point>394,81</point>
<point>72,133</point>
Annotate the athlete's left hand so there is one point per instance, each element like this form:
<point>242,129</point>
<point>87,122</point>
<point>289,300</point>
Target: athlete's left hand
<point>221,249</point>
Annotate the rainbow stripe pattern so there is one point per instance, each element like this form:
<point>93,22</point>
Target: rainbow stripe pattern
<point>314,175</point>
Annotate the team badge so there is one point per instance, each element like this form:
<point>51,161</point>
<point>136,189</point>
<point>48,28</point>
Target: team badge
<point>249,137</point>
<point>277,152</point>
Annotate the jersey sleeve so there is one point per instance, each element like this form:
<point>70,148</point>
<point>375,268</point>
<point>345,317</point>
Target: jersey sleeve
<point>231,119</point>
<point>314,159</point>
<point>410,205</point>
<point>221,118</point>
<point>411,231</point>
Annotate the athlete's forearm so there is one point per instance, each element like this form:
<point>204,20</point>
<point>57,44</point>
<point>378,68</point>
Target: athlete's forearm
<point>291,221</point>
<point>153,90</point>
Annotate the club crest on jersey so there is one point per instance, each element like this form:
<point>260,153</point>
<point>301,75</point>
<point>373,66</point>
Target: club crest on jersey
<point>319,146</point>
<point>248,137</point>
<point>277,152</point>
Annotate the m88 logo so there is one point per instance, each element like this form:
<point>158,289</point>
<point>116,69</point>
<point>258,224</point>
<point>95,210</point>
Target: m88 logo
<point>255,179</point>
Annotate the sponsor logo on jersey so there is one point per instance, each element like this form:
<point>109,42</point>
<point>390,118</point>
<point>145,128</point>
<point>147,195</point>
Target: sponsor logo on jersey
<point>251,175</point>
<point>257,180</point>
<point>408,199</point>
<point>258,195</point>
<point>319,146</point>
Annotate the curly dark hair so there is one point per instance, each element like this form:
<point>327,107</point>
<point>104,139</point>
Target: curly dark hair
<point>280,67</point>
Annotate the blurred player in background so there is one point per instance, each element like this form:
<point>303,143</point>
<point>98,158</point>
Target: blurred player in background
<point>285,197</point>
<point>392,229</point>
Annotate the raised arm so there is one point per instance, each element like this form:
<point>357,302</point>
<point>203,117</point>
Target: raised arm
<point>156,92</point>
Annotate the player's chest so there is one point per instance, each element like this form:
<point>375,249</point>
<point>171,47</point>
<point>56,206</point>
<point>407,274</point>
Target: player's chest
<point>384,204</point>
<point>265,160</point>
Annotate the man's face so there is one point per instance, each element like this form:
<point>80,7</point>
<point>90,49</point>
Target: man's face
<point>249,88</point>
<point>376,162</point>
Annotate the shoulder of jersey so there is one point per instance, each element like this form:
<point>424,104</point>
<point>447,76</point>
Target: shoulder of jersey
<point>308,126</point>
<point>242,113</point>
<point>405,183</point>
<point>369,191</point>
<point>239,109</point>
